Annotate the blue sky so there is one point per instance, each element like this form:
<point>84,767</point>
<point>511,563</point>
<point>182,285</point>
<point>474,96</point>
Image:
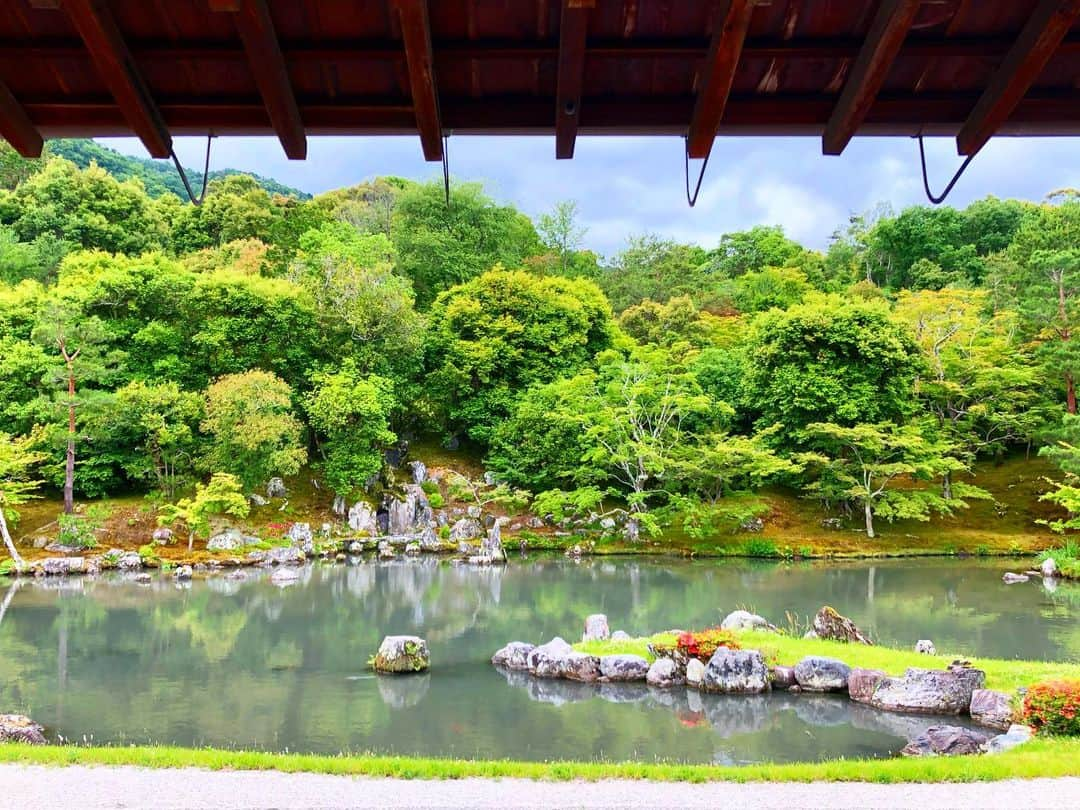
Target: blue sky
<point>630,186</point>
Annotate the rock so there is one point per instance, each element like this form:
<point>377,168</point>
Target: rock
<point>162,535</point>
<point>419,471</point>
<point>754,524</point>
<point>341,557</point>
<point>819,674</point>
<point>285,576</point>
<point>355,547</point>
<point>18,728</point>
<point>1016,735</point>
<point>578,666</point>
<point>429,540</point>
<point>412,549</point>
<point>991,708</point>
<point>183,572</point>
<point>399,654</point>
<point>386,551</point>
<point>474,512</point>
<point>465,529</point>
<point>490,479</point>
<point>362,519</point>
<point>596,628</point>
<point>492,546</point>
<point>664,673</point>
<point>620,635</point>
<point>62,566</point>
<point>534,522</point>
<point>230,540</point>
<point>736,671</point>
<point>545,661</point>
<point>832,523</point>
<point>945,741</point>
<point>783,677</point>
<point>695,673</point>
<point>236,576</point>
<point>929,691</point>
<point>338,507</point>
<point>257,499</point>
<point>925,646</point>
<point>275,488</point>
<point>41,542</point>
<point>607,524</point>
<point>284,556</point>
<point>143,579</point>
<point>1009,578</point>
<point>624,667</point>
<point>301,537</point>
<point>744,620</point>
<point>514,655</point>
<point>831,625</point>
<point>863,682</point>
<point>1048,568</point>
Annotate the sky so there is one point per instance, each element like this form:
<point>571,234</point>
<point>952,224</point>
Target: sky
<point>629,186</point>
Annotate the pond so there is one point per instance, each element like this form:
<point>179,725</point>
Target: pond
<point>227,663</point>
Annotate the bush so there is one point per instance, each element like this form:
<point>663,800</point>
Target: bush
<point>1052,707</point>
<point>430,487</point>
<point>76,532</point>
<point>436,500</point>
<point>700,644</point>
<point>760,547</point>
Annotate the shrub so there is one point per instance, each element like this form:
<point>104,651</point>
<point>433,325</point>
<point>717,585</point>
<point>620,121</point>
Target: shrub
<point>76,532</point>
<point>7,567</point>
<point>436,500</point>
<point>1053,707</point>
<point>430,487</point>
<point>760,547</point>
<point>700,644</point>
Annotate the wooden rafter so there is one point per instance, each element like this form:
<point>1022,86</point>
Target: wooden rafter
<point>883,41</point>
<point>16,127</point>
<point>416,36</point>
<point>256,29</point>
<point>573,26</point>
<point>114,62</point>
<point>730,25</point>
<point>1040,37</point>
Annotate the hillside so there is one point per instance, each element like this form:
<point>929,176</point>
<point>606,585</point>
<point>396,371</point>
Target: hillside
<point>159,176</point>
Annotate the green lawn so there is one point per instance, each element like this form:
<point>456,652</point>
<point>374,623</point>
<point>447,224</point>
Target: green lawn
<point>1005,675</point>
<point>1039,758</point>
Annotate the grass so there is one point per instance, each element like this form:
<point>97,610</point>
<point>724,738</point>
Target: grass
<point>1049,757</point>
<point>1004,675</point>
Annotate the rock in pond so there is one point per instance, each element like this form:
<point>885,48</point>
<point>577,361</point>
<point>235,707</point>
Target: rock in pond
<point>544,660</point>
<point>831,625</point>
<point>362,519</point>
<point>578,666</point>
<point>945,741</point>
<point>465,529</point>
<point>514,655</point>
<point>143,579</point>
<point>783,677</point>
<point>744,620</point>
<point>863,682</point>
<point>925,646</point>
<point>624,667</point>
<point>991,708</point>
<point>1016,735</point>
<point>664,673</point>
<point>183,572</point>
<point>61,566</point>
<point>285,576</point>
<point>1049,567</point>
<point>819,674</point>
<point>736,671</point>
<point>930,691</point>
<point>398,654</point>
<point>695,672</point>
<point>300,536</point>
<point>19,728</point>
<point>1009,578</point>
<point>596,628</point>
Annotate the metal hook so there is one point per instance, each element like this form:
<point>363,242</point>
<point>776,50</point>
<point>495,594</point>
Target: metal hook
<point>692,199</point>
<point>205,177</point>
<point>938,199</point>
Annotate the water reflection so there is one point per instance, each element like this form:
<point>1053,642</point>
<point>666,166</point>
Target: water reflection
<point>238,662</point>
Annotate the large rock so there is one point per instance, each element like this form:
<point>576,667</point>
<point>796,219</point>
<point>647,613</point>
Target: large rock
<point>695,673</point>
<point>624,667</point>
<point>411,515</point>
<point>863,682</point>
<point>514,655</point>
<point>744,620</point>
<point>930,691</point>
<point>465,529</point>
<point>362,519</point>
<point>596,628</point>
<point>1009,578</point>
<point>945,741</point>
<point>1016,735</point>
<point>399,654</point>
<point>419,471</point>
<point>282,555</point>
<point>829,624</point>
<point>492,548</point>
<point>62,566</point>
<point>925,646</point>
<point>819,674</point>
<point>18,728</point>
<point>275,488</point>
<point>736,671</point>
<point>301,537</point>
<point>578,666</point>
<point>230,540</point>
<point>544,660</point>
<point>783,677</point>
<point>1049,567</point>
<point>664,673</point>
<point>990,708</point>
<point>283,577</point>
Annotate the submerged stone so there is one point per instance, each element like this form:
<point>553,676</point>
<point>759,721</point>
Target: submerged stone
<point>1016,735</point>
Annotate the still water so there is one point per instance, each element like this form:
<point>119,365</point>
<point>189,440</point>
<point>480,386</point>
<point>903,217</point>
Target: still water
<point>246,664</point>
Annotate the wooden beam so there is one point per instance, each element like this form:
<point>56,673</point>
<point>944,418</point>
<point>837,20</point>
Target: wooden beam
<point>256,29</point>
<point>114,62</point>
<point>887,32</point>
<point>730,25</point>
<point>416,36</point>
<point>16,127</point>
<point>573,25</point>
<point>1040,37</point>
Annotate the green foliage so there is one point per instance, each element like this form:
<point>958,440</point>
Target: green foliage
<point>351,411</point>
<point>253,433</point>
<point>223,495</point>
<point>18,459</point>
<point>76,531</point>
<point>760,547</point>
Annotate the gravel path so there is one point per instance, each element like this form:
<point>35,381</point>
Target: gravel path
<point>94,788</point>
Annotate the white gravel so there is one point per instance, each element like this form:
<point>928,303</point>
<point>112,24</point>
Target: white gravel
<point>95,788</point>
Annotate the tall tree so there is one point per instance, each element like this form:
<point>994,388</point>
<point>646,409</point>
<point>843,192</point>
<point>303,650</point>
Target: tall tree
<point>17,459</point>
<point>561,234</point>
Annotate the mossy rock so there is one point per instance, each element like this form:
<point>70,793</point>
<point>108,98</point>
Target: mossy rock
<point>402,654</point>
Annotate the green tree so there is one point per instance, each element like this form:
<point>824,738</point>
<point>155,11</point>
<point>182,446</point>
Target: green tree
<point>561,234</point>
<point>17,459</point>
<point>752,251</point>
<point>253,432</point>
<point>222,496</point>
<point>656,269</point>
<point>351,411</point>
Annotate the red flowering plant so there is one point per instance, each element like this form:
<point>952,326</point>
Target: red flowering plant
<point>699,644</point>
<point>1053,707</point>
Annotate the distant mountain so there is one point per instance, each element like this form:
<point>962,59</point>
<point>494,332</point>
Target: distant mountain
<point>159,176</point>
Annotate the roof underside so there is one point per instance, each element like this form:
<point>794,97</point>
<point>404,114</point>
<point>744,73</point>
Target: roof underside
<point>831,68</point>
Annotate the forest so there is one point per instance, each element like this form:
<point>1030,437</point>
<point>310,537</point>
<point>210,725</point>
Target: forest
<point>151,346</point>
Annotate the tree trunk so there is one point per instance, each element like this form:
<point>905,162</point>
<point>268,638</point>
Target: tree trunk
<point>869,519</point>
<point>14,552</point>
<point>69,465</point>
<point>946,486</point>
<point>1070,393</point>
<point>190,540</point>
